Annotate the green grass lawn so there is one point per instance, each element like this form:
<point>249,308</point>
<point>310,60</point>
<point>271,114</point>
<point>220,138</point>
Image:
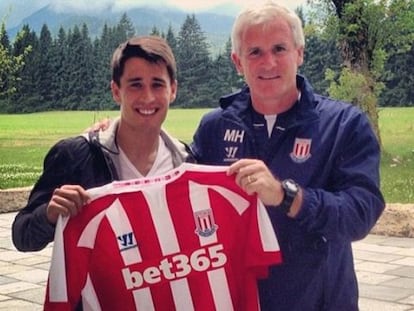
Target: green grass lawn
<point>25,139</point>
<point>397,165</point>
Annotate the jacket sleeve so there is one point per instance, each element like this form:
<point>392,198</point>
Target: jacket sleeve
<point>352,202</point>
<point>31,230</point>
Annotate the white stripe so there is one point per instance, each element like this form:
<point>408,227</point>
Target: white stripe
<point>58,291</point>
<point>220,290</point>
<point>182,295</point>
<point>143,299</point>
<point>90,300</point>
<point>164,227</point>
<point>167,238</point>
<point>239,203</point>
<point>88,236</point>
<point>267,234</point>
<point>121,225</point>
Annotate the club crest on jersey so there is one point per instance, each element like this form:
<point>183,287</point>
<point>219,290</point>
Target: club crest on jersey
<point>126,241</point>
<point>301,150</point>
<point>205,224</point>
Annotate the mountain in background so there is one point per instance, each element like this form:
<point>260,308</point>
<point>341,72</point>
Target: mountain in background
<point>215,25</point>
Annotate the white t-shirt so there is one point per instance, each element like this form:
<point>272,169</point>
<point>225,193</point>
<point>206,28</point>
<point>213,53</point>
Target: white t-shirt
<point>162,164</point>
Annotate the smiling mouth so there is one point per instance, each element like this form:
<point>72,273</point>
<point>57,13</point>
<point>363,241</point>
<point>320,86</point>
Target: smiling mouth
<point>146,112</point>
<point>269,77</point>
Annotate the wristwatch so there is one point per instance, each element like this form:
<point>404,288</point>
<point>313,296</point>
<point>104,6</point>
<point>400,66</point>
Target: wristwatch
<point>291,189</point>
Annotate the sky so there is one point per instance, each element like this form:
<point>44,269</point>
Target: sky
<point>13,11</point>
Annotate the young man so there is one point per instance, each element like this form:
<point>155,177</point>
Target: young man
<point>312,160</point>
<point>143,85</point>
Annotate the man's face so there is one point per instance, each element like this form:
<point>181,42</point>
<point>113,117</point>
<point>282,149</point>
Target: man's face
<point>144,93</point>
<point>269,60</point>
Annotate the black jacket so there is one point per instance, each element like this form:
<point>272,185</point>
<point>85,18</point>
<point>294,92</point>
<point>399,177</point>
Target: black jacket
<point>84,161</point>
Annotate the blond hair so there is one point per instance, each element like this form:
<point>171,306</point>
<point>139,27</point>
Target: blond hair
<point>262,15</point>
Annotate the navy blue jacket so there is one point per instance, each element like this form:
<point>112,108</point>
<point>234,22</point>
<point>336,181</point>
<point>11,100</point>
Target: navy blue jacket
<point>329,148</point>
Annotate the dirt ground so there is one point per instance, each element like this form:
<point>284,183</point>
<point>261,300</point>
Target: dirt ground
<point>397,219</point>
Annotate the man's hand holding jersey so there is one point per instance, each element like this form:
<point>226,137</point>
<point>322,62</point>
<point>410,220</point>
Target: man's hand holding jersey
<point>67,200</point>
<point>254,177</point>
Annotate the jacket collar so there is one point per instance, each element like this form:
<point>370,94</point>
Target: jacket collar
<point>239,105</point>
<point>106,140</point>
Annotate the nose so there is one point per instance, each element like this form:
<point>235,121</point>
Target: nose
<point>269,60</point>
<point>147,95</point>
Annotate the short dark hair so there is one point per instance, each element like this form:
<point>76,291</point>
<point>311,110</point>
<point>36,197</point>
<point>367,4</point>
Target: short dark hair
<point>151,48</point>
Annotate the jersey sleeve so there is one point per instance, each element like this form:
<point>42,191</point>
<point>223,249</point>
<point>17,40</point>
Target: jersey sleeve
<point>68,270</point>
<point>263,248</point>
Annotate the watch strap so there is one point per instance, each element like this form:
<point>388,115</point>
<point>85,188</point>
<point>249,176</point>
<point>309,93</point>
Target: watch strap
<point>289,195</point>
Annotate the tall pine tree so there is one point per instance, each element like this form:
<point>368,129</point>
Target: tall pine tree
<point>10,65</point>
<point>45,70</point>
<point>27,97</point>
<point>226,78</point>
<point>194,65</point>
<point>60,82</point>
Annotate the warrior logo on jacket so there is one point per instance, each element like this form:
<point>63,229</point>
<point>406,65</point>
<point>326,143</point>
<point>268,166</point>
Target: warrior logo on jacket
<point>232,136</point>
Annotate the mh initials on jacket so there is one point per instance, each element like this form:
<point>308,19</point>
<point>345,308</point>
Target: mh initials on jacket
<point>234,135</point>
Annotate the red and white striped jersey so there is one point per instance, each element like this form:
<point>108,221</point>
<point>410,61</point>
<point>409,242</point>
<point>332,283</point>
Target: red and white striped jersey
<point>188,240</point>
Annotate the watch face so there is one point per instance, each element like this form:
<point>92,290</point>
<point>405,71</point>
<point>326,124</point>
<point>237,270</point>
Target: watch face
<point>291,186</point>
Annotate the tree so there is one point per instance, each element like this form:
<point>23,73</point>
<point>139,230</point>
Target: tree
<point>27,97</point>
<point>103,49</point>
<point>155,32</point>
<point>10,66</point>
<point>399,80</point>
<point>58,57</point>
<point>321,52</point>
<point>46,67</point>
<point>364,28</point>
<point>80,68</point>
<point>226,78</point>
<point>194,65</point>
<point>4,37</point>
<point>171,39</point>
<point>125,28</point>
<point>7,64</point>
<point>399,76</point>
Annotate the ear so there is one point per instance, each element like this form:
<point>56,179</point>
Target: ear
<point>301,55</point>
<point>236,61</point>
<point>115,92</point>
<point>174,87</point>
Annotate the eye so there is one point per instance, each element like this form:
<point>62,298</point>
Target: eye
<point>279,48</point>
<point>135,84</point>
<point>158,85</point>
<point>254,52</point>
